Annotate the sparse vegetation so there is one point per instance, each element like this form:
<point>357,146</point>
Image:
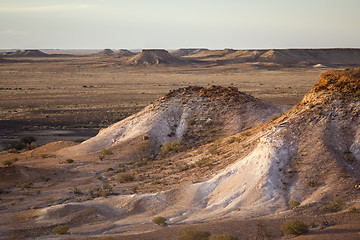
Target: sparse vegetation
<point>214,150</point>
<point>142,148</point>
<point>310,183</point>
<point>334,206</point>
<point>126,177</point>
<point>9,162</point>
<point>293,226</point>
<point>172,147</point>
<point>106,151</point>
<point>161,221</point>
<point>189,233</point>
<point>294,204</point>
<point>61,229</point>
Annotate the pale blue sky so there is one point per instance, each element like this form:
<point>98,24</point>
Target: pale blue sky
<point>131,24</point>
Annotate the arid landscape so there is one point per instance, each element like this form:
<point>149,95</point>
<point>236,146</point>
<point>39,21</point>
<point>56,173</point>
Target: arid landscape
<point>102,142</point>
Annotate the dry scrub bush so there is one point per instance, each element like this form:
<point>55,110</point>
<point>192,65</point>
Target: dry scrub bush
<point>334,206</point>
<point>190,233</point>
<point>224,236</point>
<point>126,177</point>
<point>161,221</point>
<point>60,229</point>
<point>142,147</point>
<point>172,147</point>
<point>294,204</point>
<point>9,162</point>
<point>293,226</point>
<point>105,151</point>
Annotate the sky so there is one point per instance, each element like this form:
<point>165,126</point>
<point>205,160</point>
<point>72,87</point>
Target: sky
<point>173,24</point>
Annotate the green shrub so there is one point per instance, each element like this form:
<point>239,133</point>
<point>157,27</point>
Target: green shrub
<point>126,177</point>
<point>161,221</point>
<point>69,160</point>
<point>190,233</point>
<point>294,204</point>
<point>334,206</point>
<point>10,161</point>
<point>224,236</point>
<point>60,229</point>
<point>105,151</point>
<point>293,226</point>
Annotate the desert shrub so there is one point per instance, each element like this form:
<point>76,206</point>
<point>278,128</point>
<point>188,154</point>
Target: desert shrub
<point>126,177</point>
<point>213,150</point>
<point>105,151</point>
<point>204,162</point>
<point>182,166</point>
<point>353,209</point>
<point>43,155</point>
<point>161,221</point>
<point>28,139</point>
<point>76,191</point>
<point>60,229</point>
<point>247,133</point>
<point>12,150</point>
<point>27,184</point>
<point>293,226</point>
<point>10,161</point>
<point>190,233</point>
<point>310,183</point>
<point>349,157</point>
<point>109,169</point>
<point>69,160</point>
<point>224,236</point>
<point>172,147</point>
<point>294,204</point>
<point>142,147</point>
<point>334,206</point>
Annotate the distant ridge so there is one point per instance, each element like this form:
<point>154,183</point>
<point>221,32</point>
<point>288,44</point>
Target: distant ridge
<point>26,53</point>
<point>336,56</point>
<point>187,51</point>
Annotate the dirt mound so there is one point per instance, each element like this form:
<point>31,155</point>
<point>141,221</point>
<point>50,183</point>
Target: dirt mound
<point>155,57</point>
<point>105,52</point>
<point>346,81</point>
<point>192,115</point>
<point>123,52</point>
<point>187,51</point>
<point>26,53</point>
